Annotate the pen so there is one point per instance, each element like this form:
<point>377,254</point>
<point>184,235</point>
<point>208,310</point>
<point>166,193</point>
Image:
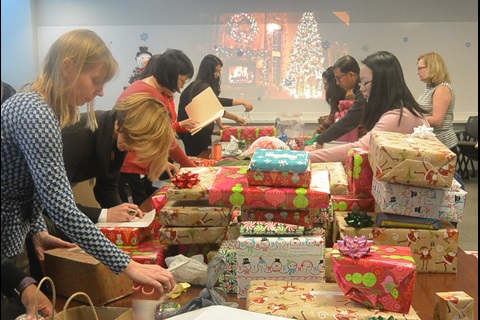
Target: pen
<point>128,192</point>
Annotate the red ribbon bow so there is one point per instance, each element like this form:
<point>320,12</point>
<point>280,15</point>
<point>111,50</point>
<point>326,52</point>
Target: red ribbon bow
<point>356,247</point>
<point>185,180</point>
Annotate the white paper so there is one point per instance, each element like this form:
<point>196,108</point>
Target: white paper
<point>204,108</point>
<point>136,223</point>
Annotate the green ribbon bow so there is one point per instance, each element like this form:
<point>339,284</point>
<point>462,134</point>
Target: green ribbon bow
<point>382,318</point>
<point>359,220</point>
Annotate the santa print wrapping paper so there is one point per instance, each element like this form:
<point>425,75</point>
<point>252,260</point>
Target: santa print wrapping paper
<point>198,191</point>
<point>280,258</point>
<point>192,235</point>
<point>280,160</point>
<point>453,305</point>
<point>402,158</point>
<point>359,172</point>
<point>352,203</point>
<point>441,204</point>
<point>279,179</point>
<point>337,176</point>
<point>312,301</point>
<point>434,251</point>
<point>298,217</point>
<point>194,214</point>
<point>384,279</point>
<point>147,252</point>
<point>250,133</point>
<point>230,188</point>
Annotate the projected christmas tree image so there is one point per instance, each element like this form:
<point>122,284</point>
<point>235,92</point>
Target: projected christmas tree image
<point>304,75</point>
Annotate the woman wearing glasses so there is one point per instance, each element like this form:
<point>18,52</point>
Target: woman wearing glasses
<point>171,72</point>
<point>346,70</point>
<point>208,76</point>
<point>390,106</point>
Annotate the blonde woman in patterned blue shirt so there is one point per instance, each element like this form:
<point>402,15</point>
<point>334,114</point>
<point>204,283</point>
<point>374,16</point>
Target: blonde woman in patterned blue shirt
<point>76,69</point>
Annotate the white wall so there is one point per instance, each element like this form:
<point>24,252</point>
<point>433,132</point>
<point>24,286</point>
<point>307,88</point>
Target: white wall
<point>191,29</point>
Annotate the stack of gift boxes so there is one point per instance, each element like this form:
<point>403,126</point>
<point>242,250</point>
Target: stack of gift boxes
<point>188,221</point>
<point>281,197</point>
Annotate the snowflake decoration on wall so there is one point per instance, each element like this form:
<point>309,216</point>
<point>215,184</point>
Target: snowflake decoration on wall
<point>365,48</point>
<point>144,36</point>
<point>326,45</point>
<point>468,45</point>
<point>405,40</point>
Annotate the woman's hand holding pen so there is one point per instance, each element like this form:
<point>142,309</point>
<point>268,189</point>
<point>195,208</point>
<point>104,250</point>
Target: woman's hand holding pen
<point>124,212</point>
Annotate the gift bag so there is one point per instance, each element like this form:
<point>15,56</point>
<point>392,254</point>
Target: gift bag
<point>343,107</point>
<point>92,312</point>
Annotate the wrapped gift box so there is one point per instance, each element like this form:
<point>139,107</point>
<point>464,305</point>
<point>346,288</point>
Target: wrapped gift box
<point>453,305</point>
<point>128,236</point>
<point>384,279</point>
<point>441,204</point>
<point>279,179</point>
<point>159,199</point>
<point>311,300</point>
<point>359,172</point>
<point>194,214</point>
<point>192,235</point>
<point>230,187</point>
<point>387,220</point>
<point>249,134</point>
<point>198,191</point>
<point>298,217</point>
<point>269,228</point>
<point>329,273</point>
<point>434,251</point>
<point>352,203</point>
<point>402,158</point>
<point>228,279</point>
<point>337,176</point>
<point>147,252</point>
<point>280,160</point>
<point>73,270</point>
<point>289,259</point>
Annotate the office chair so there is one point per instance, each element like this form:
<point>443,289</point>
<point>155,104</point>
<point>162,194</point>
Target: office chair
<point>466,146</point>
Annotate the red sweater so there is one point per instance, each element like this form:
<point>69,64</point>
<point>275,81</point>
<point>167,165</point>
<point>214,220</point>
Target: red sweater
<point>131,164</point>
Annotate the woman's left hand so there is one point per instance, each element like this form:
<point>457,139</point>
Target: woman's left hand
<point>240,121</point>
<point>248,106</point>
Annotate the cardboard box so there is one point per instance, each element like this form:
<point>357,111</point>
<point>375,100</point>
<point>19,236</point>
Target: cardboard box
<point>434,251</point>
<point>337,176</point>
<point>402,158</point>
<point>194,214</point>
<point>383,279</point>
<point>279,258</point>
<point>441,204</point>
<point>453,305</point>
<point>73,270</point>
<point>312,301</point>
<point>198,191</point>
<point>230,188</point>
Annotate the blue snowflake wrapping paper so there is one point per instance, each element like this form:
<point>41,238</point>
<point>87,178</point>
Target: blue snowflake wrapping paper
<point>280,160</point>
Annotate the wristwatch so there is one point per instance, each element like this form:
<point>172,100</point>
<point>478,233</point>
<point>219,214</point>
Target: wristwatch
<point>24,284</point>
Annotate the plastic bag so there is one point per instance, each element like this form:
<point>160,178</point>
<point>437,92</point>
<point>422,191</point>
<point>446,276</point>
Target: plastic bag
<point>192,270</point>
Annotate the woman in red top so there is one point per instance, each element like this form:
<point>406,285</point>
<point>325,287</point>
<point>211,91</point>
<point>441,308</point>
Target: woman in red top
<point>171,71</point>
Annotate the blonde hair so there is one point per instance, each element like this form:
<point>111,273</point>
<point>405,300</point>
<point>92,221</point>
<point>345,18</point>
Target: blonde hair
<point>87,51</point>
<point>146,125</point>
<point>437,69</point>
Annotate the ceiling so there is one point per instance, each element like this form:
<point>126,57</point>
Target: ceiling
<point>158,12</point>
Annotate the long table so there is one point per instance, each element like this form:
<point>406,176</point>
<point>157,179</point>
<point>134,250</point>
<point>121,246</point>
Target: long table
<point>426,285</point>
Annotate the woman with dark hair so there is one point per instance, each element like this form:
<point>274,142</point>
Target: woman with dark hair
<point>333,95</point>
<point>346,70</point>
<point>172,70</point>
<point>208,76</point>
<point>390,106</point>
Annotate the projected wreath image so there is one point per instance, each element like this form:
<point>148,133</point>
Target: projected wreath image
<point>237,28</point>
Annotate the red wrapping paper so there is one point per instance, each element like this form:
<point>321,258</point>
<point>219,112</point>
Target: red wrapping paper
<point>352,203</point>
<point>384,279</point>
<point>359,172</point>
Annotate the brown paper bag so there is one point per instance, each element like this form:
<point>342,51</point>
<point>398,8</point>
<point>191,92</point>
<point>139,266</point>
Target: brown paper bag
<point>92,312</point>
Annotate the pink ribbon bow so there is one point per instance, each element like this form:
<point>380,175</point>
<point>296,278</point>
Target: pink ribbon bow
<point>356,247</point>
